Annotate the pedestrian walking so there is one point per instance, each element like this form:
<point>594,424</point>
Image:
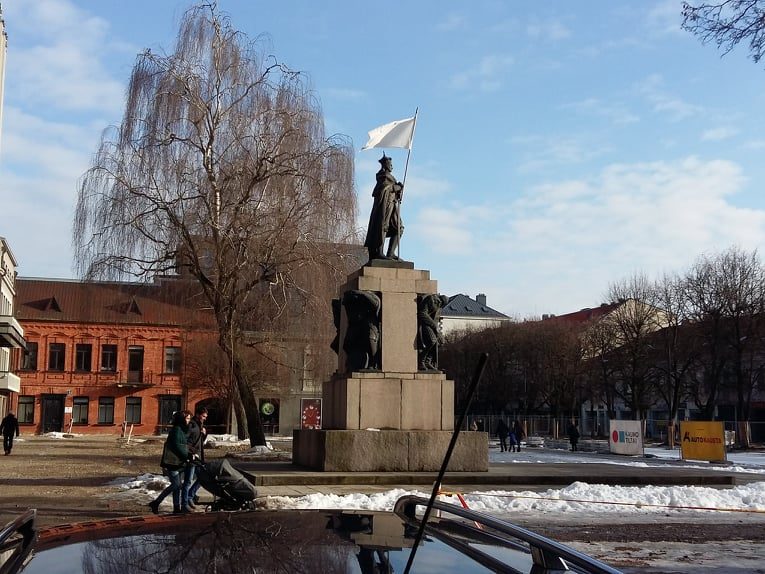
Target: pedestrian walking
<point>195,442</point>
<point>573,435</point>
<point>502,432</point>
<point>175,457</point>
<point>9,428</point>
<point>519,434</point>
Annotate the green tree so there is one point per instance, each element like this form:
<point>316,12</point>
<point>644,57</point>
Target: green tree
<point>219,170</point>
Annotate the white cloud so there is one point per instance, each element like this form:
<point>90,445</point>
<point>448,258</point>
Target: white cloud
<point>537,153</point>
<point>754,144</point>
<point>676,108</point>
<point>665,18</point>
<point>719,134</point>
<point>453,229</point>
<point>557,248</point>
<point>547,30</point>
<point>487,75</point>
<point>451,22</point>
<point>615,112</point>
<point>56,60</point>
<point>66,148</point>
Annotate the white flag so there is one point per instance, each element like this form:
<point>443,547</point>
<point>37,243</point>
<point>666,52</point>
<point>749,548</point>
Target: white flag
<point>394,134</point>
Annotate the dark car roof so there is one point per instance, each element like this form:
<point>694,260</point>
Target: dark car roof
<point>344,541</point>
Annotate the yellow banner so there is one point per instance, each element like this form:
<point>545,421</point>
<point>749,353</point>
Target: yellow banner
<point>702,440</point>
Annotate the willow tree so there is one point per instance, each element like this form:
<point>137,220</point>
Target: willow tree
<point>222,172</point>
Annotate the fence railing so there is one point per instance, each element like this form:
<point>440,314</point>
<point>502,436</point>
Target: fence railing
<point>555,427</point>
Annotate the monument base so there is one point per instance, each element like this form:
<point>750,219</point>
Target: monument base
<point>389,401</point>
<point>388,450</point>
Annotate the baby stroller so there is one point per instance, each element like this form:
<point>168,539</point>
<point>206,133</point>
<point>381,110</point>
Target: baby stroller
<point>231,488</point>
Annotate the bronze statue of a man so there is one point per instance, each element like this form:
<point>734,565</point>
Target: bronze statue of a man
<point>385,219</point>
<point>429,330</point>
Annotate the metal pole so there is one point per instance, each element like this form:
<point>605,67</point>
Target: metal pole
<point>403,181</point>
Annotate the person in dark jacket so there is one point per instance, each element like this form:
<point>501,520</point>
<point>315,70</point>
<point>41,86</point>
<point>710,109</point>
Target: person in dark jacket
<point>573,435</point>
<point>175,457</point>
<point>519,435</point>
<point>502,432</point>
<point>195,441</point>
<point>10,428</point>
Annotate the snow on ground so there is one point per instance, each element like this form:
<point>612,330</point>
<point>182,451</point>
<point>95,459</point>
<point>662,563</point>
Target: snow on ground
<point>751,462</point>
<point>577,497</point>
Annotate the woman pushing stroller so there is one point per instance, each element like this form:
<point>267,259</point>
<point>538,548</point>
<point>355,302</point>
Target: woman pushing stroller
<point>175,457</point>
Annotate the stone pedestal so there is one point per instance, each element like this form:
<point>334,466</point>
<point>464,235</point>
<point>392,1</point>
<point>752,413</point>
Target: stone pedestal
<point>388,400</point>
<point>395,418</point>
<point>388,450</point>
<point>397,283</point>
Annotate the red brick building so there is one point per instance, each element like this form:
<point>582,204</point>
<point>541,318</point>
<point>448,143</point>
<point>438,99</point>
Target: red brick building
<point>100,355</point>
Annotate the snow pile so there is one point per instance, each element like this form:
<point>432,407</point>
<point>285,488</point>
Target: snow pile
<point>221,440</point>
<point>575,498</point>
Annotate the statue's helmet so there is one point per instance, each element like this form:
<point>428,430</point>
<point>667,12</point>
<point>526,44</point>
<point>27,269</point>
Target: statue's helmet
<point>384,159</point>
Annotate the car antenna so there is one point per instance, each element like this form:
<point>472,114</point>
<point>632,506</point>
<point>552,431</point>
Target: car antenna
<point>437,485</point>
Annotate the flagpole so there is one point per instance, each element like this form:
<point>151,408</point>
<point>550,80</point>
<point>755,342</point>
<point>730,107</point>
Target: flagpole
<point>411,143</point>
<point>403,181</point>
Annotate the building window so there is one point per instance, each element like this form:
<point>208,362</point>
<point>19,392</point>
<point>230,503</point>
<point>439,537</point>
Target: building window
<point>109,358</point>
<point>56,356</point>
<point>26,412</point>
<point>105,410</point>
<point>133,410</point>
<point>29,360</point>
<point>135,364</point>
<point>172,359</point>
<point>80,411</point>
<point>82,357</point>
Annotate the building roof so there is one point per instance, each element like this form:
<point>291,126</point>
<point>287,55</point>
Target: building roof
<point>463,306</point>
<point>70,301</point>
<point>586,314</point>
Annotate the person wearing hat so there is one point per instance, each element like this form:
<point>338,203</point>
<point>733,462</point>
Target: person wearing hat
<point>385,219</point>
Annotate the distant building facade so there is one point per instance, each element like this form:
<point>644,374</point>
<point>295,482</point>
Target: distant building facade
<point>462,313</point>
<point>100,355</point>
<point>11,332</point>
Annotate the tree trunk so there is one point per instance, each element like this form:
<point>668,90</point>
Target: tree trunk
<point>241,419</point>
<point>250,404</point>
<point>671,433</point>
<point>744,434</point>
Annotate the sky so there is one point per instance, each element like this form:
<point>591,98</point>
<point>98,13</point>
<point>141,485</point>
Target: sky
<point>560,147</point>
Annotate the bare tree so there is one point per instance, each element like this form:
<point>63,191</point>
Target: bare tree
<point>599,342</point>
<point>728,23</point>
<point>555,355</point>
<point>220,169</point>
<point>632,323</point>
<point>728,297</point>
<point>674,353</point>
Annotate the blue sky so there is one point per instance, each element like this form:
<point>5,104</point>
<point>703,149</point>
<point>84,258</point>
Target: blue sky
<point>561,146</point>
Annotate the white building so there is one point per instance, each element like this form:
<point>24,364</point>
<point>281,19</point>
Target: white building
<point>465,314</point>
<point>11,333</point>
